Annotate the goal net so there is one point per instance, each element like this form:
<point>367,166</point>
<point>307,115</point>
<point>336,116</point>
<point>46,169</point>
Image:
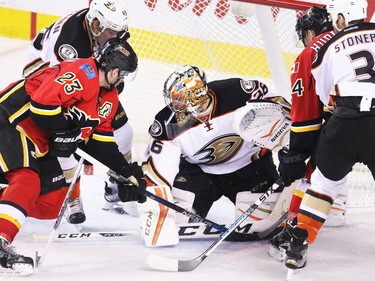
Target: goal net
<point>253,39</point>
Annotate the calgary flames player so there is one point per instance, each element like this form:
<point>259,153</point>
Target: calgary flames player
<point>45,117</point>
<point>314,30</point>
<point>76,35</point>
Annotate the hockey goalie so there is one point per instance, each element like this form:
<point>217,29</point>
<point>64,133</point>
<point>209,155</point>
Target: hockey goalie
<point>212,140</point>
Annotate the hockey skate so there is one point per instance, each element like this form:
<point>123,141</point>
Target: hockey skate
<point>280,242</point>
<point>296,254</point>
<point>113,202</point>
<point>13,263</point>
<point>111,197</point>
<point>74,213</point>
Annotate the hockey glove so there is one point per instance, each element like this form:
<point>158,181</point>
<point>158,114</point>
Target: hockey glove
<point>292,166</point>
<point>64,143</point>
<point>129,191</point>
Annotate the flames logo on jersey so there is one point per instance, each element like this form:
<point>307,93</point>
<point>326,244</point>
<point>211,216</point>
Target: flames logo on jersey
<point>220,149</point>
<point>105,109</point>
<point>80,117</point>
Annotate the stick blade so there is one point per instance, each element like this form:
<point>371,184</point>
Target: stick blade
<point>162,263</point>
<point>167,264</point>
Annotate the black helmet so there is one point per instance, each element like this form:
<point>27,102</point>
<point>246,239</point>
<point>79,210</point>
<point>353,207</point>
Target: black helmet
<point>315,19</point>
<point>116,53</point>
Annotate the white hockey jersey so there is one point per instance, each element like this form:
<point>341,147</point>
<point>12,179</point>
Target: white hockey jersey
<point>211,142</point>
<point>346,62</point>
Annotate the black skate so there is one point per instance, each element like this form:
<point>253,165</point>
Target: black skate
<point>13,263</point>
<point>280,242</point>
<point>296,254</point>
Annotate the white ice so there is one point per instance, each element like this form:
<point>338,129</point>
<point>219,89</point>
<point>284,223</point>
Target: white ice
<point>343,254</point>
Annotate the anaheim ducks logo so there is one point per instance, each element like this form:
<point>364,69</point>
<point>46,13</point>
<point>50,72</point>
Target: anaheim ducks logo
<point>220,149</point>
<point>110,6</point>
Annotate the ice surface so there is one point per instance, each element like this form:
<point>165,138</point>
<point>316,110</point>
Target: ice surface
<point>343,254</point>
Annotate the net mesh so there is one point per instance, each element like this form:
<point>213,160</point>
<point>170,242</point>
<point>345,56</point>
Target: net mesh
<point>170,33</point>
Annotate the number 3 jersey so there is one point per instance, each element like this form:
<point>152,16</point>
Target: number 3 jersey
<point>346,63</point>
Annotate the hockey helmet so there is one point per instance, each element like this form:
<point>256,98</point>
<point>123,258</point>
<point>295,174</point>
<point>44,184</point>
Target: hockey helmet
<point>351,10</point>
<point>185,90</point>
<point>116,53</point>
<point>110,14</point>
<point>315,19</point>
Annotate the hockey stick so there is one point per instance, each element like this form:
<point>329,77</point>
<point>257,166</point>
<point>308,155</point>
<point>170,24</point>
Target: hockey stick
<point>167,264</point>
<point>41,258</point>
<point>111,173</point>
<point>85,236</point>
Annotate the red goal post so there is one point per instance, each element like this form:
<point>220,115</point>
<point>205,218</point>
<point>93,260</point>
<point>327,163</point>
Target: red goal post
<point>292,5</point>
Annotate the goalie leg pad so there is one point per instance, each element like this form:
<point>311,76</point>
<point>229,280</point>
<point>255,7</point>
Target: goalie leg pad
<point>184,199</point>
<point>158,226</point>
<point>245,199</point>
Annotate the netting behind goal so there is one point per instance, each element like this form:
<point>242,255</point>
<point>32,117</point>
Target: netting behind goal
<point>209,34</point>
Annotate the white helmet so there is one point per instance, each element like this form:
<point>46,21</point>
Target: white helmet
<point>110,14</point>
<point>351,10</point>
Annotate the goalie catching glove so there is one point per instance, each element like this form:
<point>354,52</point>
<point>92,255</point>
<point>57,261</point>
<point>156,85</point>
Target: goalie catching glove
<point>132,191</point>
<point>292,166</point>
<point>264,123</point>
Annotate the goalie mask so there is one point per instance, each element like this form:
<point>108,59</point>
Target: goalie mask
<point>185,90</point>
<point>110,14</point>
<point>315,19</point>
<point>117,54</point>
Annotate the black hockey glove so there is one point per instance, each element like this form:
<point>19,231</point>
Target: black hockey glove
<point>64,143</point>
<point>292,166</point>
<point>128,191</point>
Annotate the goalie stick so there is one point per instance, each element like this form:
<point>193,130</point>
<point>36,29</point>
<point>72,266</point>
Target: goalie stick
<point>188,231</point>
<point>39,259</point>
<point>167,264</point>
<point>111,173</point>
<point>235,236</point>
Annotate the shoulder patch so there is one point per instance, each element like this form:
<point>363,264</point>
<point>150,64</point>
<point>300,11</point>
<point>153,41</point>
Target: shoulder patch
<point>247,85</point>
<point>156,129</point>
<point>89,71</point>
<point>105,109</point>
<point>67,52</point>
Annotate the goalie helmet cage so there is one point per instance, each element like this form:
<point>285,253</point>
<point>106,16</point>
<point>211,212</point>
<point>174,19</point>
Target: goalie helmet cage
<point>252,39</point>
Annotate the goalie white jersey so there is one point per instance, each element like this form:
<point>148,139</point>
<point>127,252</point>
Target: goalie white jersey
<point>211,142</point>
